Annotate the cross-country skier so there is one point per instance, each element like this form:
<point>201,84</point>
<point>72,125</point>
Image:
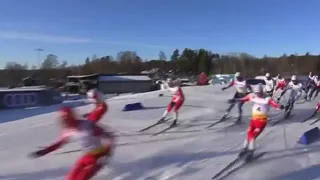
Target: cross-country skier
<point>97,144</point>
<point>241,91</point>
<point>280,83</point>
<point>259,117</point>
<point>101,106</point>
<point>177,99</point>
<point>310,84</point>
<point>315,88</point>
<point>296,89</point>
<point>270,84</point>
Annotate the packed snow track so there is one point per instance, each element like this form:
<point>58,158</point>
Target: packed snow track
<point>187,152</point>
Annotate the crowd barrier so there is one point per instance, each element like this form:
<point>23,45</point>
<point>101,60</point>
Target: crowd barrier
<point>28,97</point>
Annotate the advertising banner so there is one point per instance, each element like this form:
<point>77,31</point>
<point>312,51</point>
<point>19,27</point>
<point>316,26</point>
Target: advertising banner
<point>12,98</point>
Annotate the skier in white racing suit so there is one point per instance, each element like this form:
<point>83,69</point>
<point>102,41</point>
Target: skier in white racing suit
<point>296,89</point>
<point>270,85</point>
<point>310,83</point>
<point>241,91</point>
<point>315,88</point>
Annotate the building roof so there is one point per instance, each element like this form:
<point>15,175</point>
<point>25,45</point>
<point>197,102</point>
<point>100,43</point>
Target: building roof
<point>124,78</point>
<point>83,76</point>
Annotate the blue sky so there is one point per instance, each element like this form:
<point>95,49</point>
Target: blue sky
<point>75,29</point>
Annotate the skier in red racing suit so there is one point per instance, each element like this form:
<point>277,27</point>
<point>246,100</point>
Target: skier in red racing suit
<point>101,106</point>
<point>259,117</point>
<point>177,99</point>
<point>280,83</point>
<point>97,145</point>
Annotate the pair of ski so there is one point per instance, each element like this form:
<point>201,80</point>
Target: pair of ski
<point>238,159</point>
<point>224,118</point>
<point>172,125</point>
<point>287,115</point>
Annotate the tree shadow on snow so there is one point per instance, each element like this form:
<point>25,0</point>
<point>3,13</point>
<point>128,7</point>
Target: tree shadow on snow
<point>9,115</point>
<point>40,175</point>
<point>299,115</point>
<point>137,169</point>
<point>309,173</point>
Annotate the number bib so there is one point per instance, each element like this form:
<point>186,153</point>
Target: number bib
<point>260,108</point>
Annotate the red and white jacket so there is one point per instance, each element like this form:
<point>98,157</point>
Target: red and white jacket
<point>101,106</point>
<point>176,90</point>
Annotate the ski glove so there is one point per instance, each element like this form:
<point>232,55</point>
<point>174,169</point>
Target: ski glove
<point>281,107</point>
<point>278,100</point>
<point>224,88</point>
<point>36,154</point>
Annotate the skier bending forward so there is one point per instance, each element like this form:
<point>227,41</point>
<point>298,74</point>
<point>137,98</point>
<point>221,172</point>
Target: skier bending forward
<point>295,89</point>
<point>259,117</point>
<point>97,145</point>
<point>177,99</point>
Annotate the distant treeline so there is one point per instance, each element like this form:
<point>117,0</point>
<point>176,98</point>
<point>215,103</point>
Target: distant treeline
<point>188,62</point>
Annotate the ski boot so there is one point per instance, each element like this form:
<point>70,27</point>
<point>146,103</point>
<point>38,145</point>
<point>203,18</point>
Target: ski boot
<point>243,152</point>
<point>161,120</point>
<point>174,123</point>
<point>249,155</point>
<point>239,120</point>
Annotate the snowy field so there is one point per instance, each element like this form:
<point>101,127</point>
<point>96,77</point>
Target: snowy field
<point>187,152</point>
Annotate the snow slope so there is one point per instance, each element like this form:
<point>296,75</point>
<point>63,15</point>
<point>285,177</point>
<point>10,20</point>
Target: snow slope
<point>188,152</point>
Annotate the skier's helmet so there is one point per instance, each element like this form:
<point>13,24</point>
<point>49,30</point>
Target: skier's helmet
<point>268,76</point>
<point>238,76</point>
<point>95,96</point>
<point>294,79</point>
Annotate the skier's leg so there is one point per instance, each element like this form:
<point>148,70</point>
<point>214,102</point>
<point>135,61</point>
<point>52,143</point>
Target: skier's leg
<point>311,92</point>
<point>230,108</point>
<point>240,104</point>
<point>258,127</point>
<point>317,92</point>
<point>236,95</point>
<point>92,163</point>
<point>77,168</point>
<point>177,106</point>
<point>169,108</point>
<point>248,138</point>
